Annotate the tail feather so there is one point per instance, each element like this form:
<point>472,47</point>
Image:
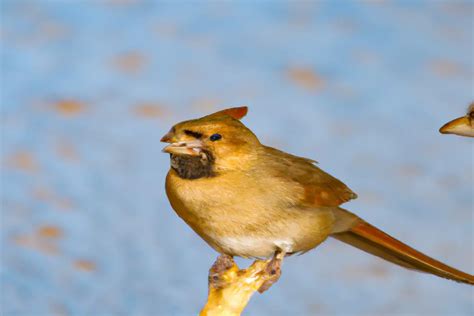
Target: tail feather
<point>370,239</point>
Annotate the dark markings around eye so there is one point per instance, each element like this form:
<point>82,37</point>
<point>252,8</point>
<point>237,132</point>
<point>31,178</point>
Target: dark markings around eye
<point>193,134</point>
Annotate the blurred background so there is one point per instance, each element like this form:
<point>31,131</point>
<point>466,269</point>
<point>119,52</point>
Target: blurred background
<point>89,87</point>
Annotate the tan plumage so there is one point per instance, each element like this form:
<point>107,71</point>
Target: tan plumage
<point>246,199</point>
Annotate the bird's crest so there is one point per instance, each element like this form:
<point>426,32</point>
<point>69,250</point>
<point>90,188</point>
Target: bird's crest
<point>236,113</point>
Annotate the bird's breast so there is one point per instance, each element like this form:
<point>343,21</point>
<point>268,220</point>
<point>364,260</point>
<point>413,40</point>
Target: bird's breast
<point>241,215</point>
<point>222,197</point>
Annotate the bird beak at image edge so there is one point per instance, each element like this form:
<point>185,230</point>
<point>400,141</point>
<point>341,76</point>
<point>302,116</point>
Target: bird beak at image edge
<point>459,126</point>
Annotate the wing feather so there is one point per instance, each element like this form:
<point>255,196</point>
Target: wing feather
<point>318,187</point>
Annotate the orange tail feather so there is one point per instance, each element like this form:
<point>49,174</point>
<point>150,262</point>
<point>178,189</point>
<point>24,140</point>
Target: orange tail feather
<point>370,239</point>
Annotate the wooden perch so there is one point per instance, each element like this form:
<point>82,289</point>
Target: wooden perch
<point>230,288</point>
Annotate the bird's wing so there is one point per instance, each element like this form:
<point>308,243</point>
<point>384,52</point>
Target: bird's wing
<point>319,188</point>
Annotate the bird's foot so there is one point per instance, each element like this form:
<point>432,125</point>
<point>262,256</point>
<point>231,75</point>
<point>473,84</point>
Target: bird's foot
<point>230,288</point>
<point>273,271</point>
<point>222,264</point>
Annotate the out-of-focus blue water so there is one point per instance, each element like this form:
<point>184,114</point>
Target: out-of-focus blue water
<point>88,88</point>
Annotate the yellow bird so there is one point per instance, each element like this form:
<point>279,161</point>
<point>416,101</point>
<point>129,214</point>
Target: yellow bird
<point>463,126</point>
<point>250,200</point>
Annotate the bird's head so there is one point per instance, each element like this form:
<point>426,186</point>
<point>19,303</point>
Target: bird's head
<point>211,144</point>
<point>463,125</point>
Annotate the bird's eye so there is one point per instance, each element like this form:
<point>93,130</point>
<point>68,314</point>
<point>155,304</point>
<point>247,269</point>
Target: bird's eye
<point>215,137</point>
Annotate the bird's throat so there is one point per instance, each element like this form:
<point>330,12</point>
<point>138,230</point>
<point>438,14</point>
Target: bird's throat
<point>193,167</point>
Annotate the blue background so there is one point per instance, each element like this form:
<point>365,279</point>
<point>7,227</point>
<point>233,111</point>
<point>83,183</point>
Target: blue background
<point>88,88</point>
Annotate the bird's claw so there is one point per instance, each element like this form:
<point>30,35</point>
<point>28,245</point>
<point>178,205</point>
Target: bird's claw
<point>222,264</point>
<point>273,271</point>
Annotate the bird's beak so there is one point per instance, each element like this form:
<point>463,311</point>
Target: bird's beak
<point>168,138</point>
<point>460,126</point>
<point>190,148</point>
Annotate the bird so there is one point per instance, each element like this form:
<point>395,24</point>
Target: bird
<point>463,126</point>
<point>249,200</point>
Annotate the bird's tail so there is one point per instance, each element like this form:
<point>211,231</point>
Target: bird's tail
<point>356,232</point>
